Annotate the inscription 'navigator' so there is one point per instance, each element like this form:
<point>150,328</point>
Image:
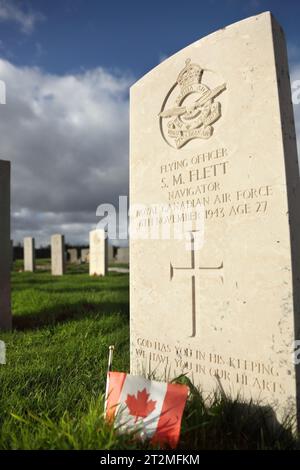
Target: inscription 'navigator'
<point>194,109</point>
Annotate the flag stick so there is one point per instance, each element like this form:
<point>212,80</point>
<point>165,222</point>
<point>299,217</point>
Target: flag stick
<point>109,367</point>
<point>110,357</point>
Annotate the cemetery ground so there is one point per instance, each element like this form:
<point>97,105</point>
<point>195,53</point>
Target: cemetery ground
<point>52,387</point>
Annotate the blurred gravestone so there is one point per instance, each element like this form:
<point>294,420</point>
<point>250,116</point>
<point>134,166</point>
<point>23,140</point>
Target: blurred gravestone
<point>85,255</point>
<point>123,255</point>
<point>98,253</point>
<point>29,254</point>
<point>58,254</point>
<point>73,258</point>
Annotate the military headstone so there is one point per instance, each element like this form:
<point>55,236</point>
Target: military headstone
<point>213,140</point>
<point>98,253</point>
<point>73,258</point>
<point>85,255</point>
<point>5,247</point>
<point>123,255</point>
<point>29,254</point>
<point>58,254</point>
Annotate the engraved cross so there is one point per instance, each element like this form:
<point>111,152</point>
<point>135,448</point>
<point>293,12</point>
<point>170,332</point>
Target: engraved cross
<point>194,271</point>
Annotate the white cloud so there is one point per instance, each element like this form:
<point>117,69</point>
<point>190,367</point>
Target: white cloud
<point>12,11</point>
<point>67,139</point>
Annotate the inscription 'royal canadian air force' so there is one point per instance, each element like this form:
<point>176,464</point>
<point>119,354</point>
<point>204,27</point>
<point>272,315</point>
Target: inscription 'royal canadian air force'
<point>191,114</point>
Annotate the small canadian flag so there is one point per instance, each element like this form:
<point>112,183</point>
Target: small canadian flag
<point>153,410</point>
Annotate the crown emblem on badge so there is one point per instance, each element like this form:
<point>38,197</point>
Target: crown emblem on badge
<point>187,120</point>
<point>190,75</point>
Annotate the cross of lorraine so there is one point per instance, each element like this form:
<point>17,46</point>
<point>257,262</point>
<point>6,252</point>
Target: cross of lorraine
<point>194,110</point>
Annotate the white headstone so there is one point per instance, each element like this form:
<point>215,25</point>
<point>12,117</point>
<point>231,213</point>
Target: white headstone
<point>58,254</point>
<point>5,247</point>
<point>85,255</point>
<point>73,257</point>
<point>123,255</point>
<point>98,253</point>
<point>29,254</point>
<point>213,141</point>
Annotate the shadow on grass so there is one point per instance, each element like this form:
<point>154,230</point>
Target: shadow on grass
<point>66,312</point>
<point>221,422</point>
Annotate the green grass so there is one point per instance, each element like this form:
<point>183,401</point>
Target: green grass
<point>51,389</point>
<point>57,353</point>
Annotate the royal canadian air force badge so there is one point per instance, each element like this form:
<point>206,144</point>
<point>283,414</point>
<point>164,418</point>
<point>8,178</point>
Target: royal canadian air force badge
<point>193,111</point>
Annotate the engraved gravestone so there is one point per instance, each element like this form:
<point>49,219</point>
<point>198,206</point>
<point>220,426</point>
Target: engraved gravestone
<point>5,247</point>
<point>29,254</point>
<point>58,255</point>
<point>213,150</point>
<point>98,253</point>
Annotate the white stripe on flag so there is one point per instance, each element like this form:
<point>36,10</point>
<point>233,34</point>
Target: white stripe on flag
<point>148,425</point>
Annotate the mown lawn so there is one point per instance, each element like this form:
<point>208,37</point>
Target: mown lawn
<point>51,389</point>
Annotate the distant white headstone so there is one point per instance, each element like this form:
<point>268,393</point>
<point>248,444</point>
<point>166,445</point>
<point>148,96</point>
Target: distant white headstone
<point>123,255</point>
<point>98,253</point>
<point>58,254</point>
<point>85,255</point>
<point>29,254</point>
<point>73,257</point>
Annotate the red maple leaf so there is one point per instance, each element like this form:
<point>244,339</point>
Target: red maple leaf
<point>140,406</point>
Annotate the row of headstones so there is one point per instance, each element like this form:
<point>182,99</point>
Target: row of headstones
<point>58,253</point>
<point>97,255</point>
<point>98,252</point>
<point>115,254</point>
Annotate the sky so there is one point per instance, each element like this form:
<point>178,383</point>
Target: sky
<point>68,66</point>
